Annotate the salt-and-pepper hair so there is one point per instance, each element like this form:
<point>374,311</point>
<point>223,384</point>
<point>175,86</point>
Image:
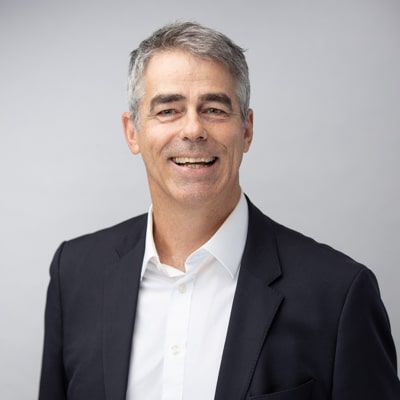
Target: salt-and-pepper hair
<point>198,41</point>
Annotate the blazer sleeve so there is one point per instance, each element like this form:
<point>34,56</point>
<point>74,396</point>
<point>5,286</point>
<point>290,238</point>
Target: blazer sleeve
<point>365,362</point>
<point>52,381</point>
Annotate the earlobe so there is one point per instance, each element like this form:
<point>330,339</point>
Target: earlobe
<point>248,132</point>
<point>130,133</point>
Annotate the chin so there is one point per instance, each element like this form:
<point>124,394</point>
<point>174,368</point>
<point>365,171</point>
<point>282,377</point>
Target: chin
<point>197,197</point>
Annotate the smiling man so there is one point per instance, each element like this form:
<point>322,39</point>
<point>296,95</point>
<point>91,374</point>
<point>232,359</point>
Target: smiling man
<point>204,297</point>
<point>191,135</point>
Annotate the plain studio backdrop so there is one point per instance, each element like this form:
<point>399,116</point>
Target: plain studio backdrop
<point>324,161</point>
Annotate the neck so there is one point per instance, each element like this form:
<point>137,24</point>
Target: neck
<point>179,230</point>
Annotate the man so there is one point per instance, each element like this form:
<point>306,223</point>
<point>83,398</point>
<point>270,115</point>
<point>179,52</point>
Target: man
<point>205,297</point>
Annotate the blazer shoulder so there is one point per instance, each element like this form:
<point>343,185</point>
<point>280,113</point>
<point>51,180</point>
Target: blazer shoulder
<point>106,244</point>
<point>294,245</point>
<point>298,252</point>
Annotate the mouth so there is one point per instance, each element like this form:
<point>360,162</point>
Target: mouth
<point>194,162</point>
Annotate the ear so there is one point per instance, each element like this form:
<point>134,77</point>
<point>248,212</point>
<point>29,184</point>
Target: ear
<point>248,132</point>
<point>130,132</point>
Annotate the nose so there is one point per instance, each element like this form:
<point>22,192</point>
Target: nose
<point>193,128</point>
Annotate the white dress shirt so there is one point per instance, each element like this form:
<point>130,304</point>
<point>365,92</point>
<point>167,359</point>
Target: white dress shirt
<point>182,317</point>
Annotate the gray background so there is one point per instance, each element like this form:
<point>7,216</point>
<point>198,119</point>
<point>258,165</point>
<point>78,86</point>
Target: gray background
<point>325,90</point>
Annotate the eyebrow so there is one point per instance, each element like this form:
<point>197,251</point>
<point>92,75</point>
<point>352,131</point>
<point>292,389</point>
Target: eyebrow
<point>165,99</point>
<point>219,98</point>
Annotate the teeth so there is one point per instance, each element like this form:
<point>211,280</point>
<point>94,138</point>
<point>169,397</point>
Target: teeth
<point>195,166</point>
<point>192,160</point>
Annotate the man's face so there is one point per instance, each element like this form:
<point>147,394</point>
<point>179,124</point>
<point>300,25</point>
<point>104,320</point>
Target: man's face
<point>190,133</point>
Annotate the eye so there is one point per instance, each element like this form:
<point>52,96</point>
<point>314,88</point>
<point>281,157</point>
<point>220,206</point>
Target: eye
<point>167,114</point>
<point>215,111</point>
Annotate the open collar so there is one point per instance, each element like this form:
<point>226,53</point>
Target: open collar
<point>226,245</point>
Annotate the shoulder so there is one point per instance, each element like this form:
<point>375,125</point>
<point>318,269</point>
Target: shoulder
<point>312,275</point>
<point>302,256</point>
<point>105,245</point>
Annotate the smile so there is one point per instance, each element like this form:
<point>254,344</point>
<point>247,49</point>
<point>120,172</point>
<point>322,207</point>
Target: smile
<point>194,162</point>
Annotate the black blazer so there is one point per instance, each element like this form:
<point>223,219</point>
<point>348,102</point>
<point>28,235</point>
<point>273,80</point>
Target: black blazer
<point>307,321</point>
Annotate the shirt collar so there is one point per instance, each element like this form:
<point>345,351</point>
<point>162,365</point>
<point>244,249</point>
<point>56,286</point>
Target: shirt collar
<point>226,245</point>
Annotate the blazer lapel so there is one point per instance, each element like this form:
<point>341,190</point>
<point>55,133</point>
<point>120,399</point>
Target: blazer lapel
<point>254,308</point>
<point>121,286</point>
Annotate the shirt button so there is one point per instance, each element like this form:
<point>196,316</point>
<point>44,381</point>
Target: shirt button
<point>182,288</point>
<point>175,350</point>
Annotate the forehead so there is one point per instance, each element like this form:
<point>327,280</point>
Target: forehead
<point>173,68</point>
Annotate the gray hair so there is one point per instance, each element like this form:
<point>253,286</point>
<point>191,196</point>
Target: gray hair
<point>200,42</point>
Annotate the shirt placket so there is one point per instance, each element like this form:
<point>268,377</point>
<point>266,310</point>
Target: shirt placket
<point>176,338</point>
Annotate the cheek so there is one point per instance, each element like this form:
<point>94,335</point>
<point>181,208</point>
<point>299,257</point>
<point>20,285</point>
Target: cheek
<point>238,145</point>
<point>152,150</point>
